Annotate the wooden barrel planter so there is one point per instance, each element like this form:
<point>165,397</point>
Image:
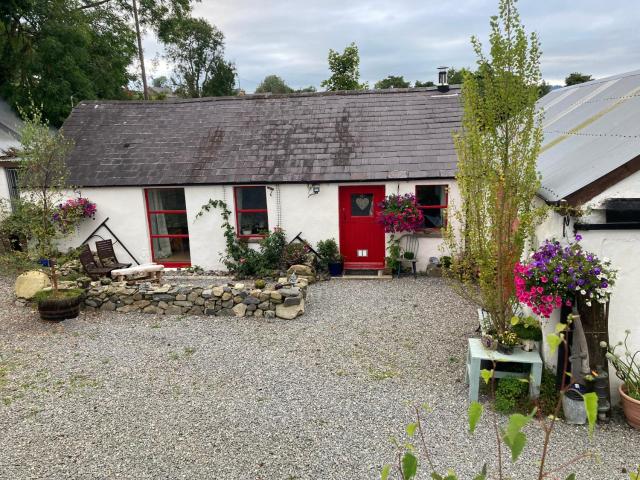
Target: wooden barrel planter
<point>58,309</point>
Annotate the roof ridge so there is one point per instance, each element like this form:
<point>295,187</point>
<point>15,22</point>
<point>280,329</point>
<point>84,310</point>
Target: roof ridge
<point>453,89</point>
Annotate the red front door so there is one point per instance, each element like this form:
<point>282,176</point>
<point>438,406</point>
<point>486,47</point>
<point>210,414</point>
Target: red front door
<point>361,236</point>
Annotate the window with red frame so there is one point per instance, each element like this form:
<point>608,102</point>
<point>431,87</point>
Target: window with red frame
<point>168,226</point>
<point>251,211</point>
<point>433,200</point>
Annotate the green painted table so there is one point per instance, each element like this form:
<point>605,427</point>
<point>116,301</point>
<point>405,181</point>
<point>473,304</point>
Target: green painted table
<point>476,353</point>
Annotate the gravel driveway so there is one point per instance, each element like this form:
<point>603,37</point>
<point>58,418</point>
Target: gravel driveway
<point>141,396</point>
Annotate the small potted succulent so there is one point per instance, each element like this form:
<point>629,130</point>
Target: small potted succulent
<point>507,341</point>
<point>528,331</point>
<point>330,256</point>
<point>627,365</point>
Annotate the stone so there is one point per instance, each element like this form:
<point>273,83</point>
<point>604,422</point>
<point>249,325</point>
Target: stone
<point>137,296</point>
<point>225,312</point>
<point>240,310</point>
<point>183,303</point>
<point>196,311</point>
<point>276,296</point>
<point>251,301</point>
<point>269,314</point>
<point>181,297</point>
<point>165,297</point>
<point>263,305</point>
<point>207,293</point>
<point>304,270</point>
<point>290,301</point>
<point>237,299</point>
<point>108,307</point>
<point>152,309</point>
<point>289,312</point>
<point>92,302</point>
<point>173,310</point>
<point>144,303</point>
<point>199,301</point>
<point>30,283</point>
<point>251,308</point>
<point>264,296</point>
<point>226,296</point>
<point>217,291</point>
<point>162,305</point>
<point>258,313</point>
<point>105,281</point>
<point>289,292</point>
<point>127,300</point>
<point>227,304</point>
<point>210,311</point>
<point>192,296</point>
<point>239,286</point>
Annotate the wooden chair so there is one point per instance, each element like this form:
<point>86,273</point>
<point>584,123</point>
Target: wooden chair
<point>107,255</point>
<point>91,268</point>
<point>408,248</point>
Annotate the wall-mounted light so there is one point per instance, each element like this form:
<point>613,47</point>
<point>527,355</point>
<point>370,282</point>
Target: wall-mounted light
<point>314,189</point>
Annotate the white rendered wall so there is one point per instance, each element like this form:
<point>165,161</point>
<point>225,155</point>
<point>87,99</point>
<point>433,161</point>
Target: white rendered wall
<point>622,247</point>
<point>4,186</point>
<point>125,207</point>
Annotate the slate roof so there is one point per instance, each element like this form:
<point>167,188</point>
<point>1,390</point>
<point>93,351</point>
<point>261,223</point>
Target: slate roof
<point>321,137</point>
<point>590,129</point>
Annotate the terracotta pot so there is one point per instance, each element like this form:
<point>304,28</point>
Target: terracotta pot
<point>631,408</point>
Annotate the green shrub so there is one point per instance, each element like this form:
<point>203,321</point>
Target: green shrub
<point>294,254</point>
<point>260,284</point>
<point>527,328</point>
<point>271,248</point>
<point>328,252</point>
<point>509,394</point>
<point>13,263</point>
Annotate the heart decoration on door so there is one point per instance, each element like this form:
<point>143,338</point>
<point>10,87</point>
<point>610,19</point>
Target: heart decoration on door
<point>363,202</point>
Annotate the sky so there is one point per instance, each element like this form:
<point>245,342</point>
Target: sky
<point>410,37</point>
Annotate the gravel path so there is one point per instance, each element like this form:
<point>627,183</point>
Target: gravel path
<point>140,396</point>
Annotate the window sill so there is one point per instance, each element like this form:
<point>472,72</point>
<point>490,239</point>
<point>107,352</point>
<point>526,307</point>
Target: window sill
<point>430,233</point>
<point>251,239</point>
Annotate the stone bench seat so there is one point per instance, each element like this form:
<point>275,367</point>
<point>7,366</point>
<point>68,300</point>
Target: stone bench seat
<point>151,271</point>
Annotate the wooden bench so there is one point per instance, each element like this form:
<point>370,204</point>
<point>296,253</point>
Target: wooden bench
<point>477,353</point>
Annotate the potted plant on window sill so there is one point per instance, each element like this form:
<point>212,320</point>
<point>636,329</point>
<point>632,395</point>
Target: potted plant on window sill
<point>627,367</point>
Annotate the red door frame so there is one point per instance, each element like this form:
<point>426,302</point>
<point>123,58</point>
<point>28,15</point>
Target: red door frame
<point>248,210</point>
<point>368,226</point>
<point>152,235</point>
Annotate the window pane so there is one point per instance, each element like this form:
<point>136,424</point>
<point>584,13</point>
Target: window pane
<point>253,223</point>
<point>427,195</point>
<point>361,204</point>
<point>166,199</point>
<point>171,250</point>
<point>169,224</point>
<point>433,217</point>
<point>251,198</point>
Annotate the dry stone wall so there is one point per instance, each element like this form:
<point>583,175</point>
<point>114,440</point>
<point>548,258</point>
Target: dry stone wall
<point>285,301</point>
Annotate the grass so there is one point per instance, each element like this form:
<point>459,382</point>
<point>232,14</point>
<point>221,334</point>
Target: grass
<point>62,294</point>
<point>378,375</point>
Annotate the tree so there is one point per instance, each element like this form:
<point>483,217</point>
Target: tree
<point>392,82</point>
<point>544,89</point>
<point>345,73</point>
<point>196,49</point>
<point>420,84</point>
<point>497,148</point>
<point>273,84</point>
<point>576,78</point>
<point>456,77</point>
<point>54,54</point>
<point>160,82</point>
<point>42,176</point>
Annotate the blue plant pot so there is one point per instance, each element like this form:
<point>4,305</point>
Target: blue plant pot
<point>44,262</point>
<point>335,269</point>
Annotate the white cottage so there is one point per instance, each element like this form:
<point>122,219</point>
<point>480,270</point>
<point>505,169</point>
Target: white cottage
<point>313,164</point>
<point>590,160</point>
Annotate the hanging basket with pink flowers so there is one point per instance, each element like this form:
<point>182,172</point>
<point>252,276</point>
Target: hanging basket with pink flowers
<point>400,213</point>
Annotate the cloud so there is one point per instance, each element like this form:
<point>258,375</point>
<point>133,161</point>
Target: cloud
<point>411,37</point>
